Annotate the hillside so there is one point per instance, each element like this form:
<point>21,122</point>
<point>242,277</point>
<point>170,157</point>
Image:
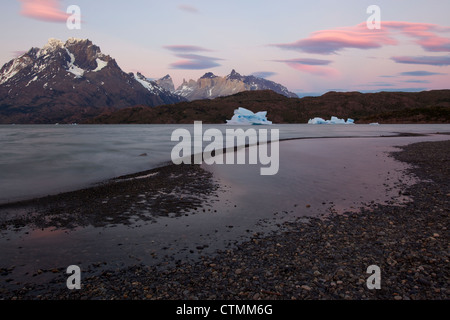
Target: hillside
<point>384,107</point>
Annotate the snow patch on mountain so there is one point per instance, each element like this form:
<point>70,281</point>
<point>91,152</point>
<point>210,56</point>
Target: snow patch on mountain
<point>32,80</point>
<point>78,72</point>
<point>16,65</point>
<point>184,90</point>
<point>144,82</point>
<point>72,68</point>
<point>100,65</point>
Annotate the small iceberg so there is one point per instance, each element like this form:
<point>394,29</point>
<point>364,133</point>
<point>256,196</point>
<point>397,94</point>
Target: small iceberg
<point>333,120</point>
<point>244,116</point>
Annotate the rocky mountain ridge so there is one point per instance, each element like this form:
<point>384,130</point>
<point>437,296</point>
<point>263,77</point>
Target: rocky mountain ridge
<point>211,86</point>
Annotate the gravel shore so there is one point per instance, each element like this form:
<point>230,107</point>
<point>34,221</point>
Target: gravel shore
<point>312,258</point>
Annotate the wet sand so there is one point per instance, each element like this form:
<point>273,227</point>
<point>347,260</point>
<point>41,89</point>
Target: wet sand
<point>300,236</point>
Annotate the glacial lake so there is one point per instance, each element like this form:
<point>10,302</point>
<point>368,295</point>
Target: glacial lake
<point>38,160</point>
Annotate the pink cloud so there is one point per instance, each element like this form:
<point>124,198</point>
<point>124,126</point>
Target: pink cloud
<point>425,34</point>
<point>185,48</point>
<point>311,66</point>
<point>360,37</point>
<point>190,60</point>
<point>46,10</point>
<point>424,60</point>
<point>333,40</point>
<point>195,62</point>
<point>435,43</point>
<point>314,70</point>
<point>307,61</point>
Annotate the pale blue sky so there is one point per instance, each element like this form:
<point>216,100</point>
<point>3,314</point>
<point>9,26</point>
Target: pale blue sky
<point>243,35</point>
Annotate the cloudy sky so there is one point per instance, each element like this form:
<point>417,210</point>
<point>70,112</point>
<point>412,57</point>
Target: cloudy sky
<point>308,46</point>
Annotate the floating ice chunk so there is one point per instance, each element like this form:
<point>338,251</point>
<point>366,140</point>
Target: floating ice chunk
<point>333,120</point>
<point>317,121</point>
<point>244,116</point>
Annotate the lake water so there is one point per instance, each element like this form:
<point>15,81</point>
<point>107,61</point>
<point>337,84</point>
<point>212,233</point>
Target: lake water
<point>321,176</point>
<point>37,160</point>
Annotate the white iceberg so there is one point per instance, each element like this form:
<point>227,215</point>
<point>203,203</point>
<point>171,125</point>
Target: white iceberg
<point>333,120</point>
<point>244,116</point>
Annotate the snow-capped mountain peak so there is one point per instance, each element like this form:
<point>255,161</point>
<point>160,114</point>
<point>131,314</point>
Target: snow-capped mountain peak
<point>51,46</point>
<point>73,74</point>
<point>75,56</point>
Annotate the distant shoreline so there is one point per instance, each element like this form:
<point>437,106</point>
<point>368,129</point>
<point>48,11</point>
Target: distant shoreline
<point>425,107</point>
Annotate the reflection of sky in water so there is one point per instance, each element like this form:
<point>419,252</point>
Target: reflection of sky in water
<point>41,160</point>
<point>317,176</point>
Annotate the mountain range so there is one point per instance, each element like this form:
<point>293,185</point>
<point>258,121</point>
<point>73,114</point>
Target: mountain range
<point>210,86</point>
<point>74,81</point>
<point>69,82</point>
